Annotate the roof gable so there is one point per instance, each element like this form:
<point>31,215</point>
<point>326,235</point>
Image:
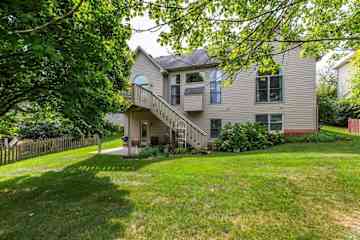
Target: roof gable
<point>140,50</point>
<point>197,59</point>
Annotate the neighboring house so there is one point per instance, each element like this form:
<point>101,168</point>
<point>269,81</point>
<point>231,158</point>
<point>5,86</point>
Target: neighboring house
<point>345,71</point>
<point>116,119</point>
<point>186,94</point>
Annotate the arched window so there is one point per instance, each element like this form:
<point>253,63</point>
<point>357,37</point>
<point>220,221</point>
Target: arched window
<point>141,80</point>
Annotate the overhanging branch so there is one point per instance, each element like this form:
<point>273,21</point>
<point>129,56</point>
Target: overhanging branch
<point>53,21</point>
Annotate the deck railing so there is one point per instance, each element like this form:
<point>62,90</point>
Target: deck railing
<point>174,119</point>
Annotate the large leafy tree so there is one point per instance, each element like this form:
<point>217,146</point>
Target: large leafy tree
<point>356,78</point>
<point>72,54</point>
<point>240,32</point>
<point>69,54</point>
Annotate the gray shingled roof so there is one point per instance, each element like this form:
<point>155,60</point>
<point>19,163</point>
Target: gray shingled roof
<point>198,58</point>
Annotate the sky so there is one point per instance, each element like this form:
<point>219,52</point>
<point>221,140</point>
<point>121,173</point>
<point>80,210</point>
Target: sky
<point>147,40</point>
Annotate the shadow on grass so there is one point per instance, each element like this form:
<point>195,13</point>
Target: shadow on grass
<point>69,204</point>
<point>114,163</point>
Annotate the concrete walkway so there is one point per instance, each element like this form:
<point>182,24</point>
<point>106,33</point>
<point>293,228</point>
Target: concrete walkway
<point>121,151</point>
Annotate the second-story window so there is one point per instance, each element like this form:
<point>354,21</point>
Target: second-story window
<point>269,86</point>
<point>215,86</point>
<point>194,77</point>
<point>175,90</point>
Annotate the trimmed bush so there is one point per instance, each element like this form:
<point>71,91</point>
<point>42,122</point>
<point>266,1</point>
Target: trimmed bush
<point>150,152</point>
<point>245,137</point>
<point>316,138</point>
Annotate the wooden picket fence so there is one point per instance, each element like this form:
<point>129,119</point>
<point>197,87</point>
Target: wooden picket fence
<point>30,149</point>
<point>354,126</point>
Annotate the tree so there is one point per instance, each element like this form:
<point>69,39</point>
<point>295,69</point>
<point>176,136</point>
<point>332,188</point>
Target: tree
<point>240,33</point>
<point>71,55</point>
<point>356,78</point>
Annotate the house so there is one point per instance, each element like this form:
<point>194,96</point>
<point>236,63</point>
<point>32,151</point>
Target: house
<point>182,99</point>
<point>345,71</point>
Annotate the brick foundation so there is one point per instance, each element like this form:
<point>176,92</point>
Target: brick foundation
<point>298,132</point>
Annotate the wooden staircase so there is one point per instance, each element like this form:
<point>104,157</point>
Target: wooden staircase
<point>186,132</point>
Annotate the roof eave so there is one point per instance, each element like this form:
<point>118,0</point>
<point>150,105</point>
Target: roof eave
<point>344,60</point>
<point>192,67</point>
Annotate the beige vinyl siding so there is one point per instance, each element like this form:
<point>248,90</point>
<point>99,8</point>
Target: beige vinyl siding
<point>157,127</point>
<point>238,100</point>
<point>143,66</point>
<point>193,102</point>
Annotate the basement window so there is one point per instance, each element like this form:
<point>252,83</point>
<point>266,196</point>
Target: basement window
<point>272,122</point>
<point>215,128</point>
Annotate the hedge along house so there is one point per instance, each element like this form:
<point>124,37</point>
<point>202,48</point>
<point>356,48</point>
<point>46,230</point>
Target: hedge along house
<point>182,99</point>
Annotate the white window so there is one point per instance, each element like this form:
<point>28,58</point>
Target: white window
<point>194,77</point>
<point>216,77</point>
<point>269,86</point>
<point>175,90</point>
<point>272,121</point>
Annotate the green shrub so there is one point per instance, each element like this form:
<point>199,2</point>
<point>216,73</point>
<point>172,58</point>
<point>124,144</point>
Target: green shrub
<point>316,138</point>
<point>327,109</point>
<point>150,152</point>
<point>199,151</point>
<point>276,138</point>
<point>110,129</point>
<point>47,128</point>
<point>244,137</point>
<point>337,112</point>
<point>181,150</point>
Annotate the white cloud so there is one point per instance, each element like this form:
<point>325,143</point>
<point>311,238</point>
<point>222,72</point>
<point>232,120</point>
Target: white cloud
<point>147,40</point>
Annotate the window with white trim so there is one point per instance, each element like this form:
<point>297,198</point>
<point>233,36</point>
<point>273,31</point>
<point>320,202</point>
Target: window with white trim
<point>216,77</point>
<point>272,121</point>
<point>194,77</point>
<point>175,90</point>
<point>269,86</point>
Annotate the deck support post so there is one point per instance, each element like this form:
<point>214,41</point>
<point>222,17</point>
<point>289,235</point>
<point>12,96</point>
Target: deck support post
<point>129,134</point>
<point>170,136</point>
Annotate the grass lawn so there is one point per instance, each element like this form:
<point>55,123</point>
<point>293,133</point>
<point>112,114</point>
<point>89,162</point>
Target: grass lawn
<point>292,191</point>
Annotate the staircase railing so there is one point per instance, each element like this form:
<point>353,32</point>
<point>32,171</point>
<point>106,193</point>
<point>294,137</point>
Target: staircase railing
<point>175,120</point>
